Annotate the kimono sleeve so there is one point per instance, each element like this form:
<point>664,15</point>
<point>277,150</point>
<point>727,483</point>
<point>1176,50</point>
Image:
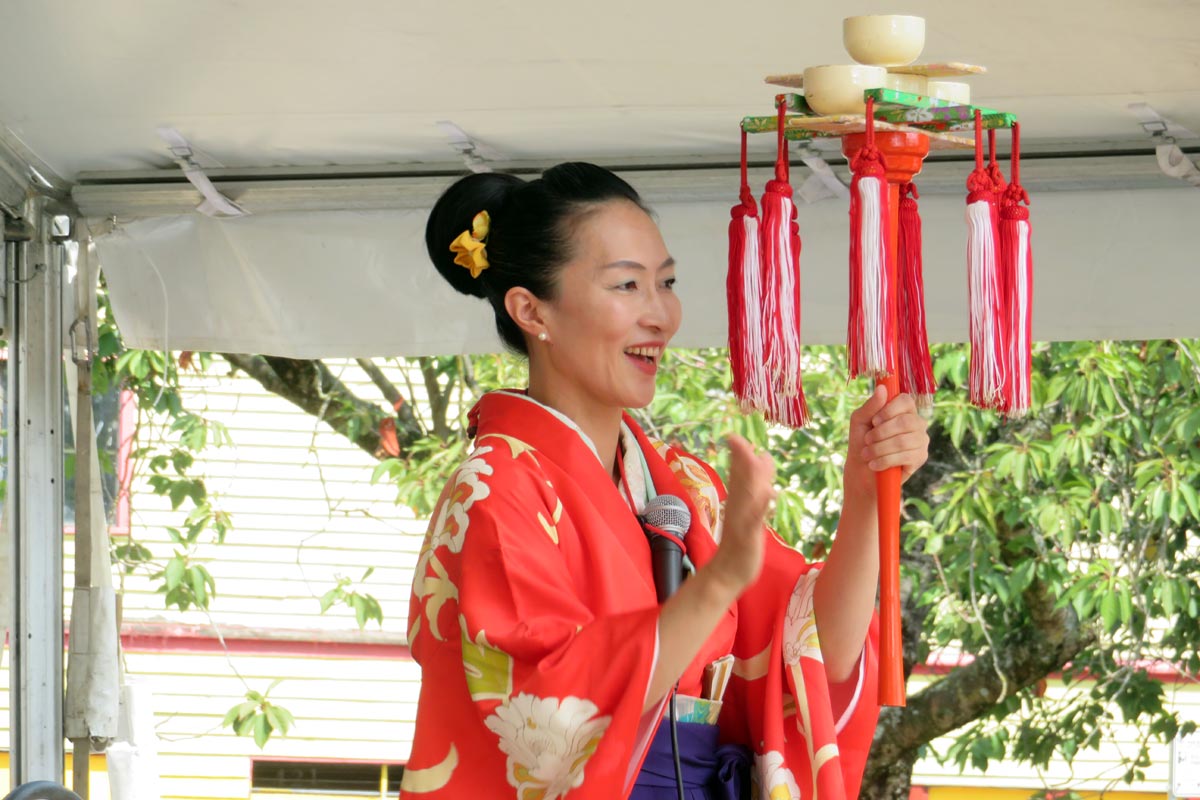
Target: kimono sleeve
<point>560,688</point>
<point>809,732</point>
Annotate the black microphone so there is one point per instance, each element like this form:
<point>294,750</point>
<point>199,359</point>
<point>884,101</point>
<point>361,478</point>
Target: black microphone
<point>666,519</point>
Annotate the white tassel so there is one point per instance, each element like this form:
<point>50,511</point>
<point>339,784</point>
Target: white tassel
<point>1021,342</point>
<point>987,376</point>
<point>752,299</point>
<point>874,276</point>
<point>785,353</point>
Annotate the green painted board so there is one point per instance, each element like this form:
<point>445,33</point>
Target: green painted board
<point>900,108</point>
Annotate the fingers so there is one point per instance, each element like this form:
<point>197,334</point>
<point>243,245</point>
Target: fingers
<point>908,449</point>
<point>873,406</point>
<point>745,457</point>
<point>751,477</point>
<point>896,426</point>
<point>897,437</point>
<point>900,405</point>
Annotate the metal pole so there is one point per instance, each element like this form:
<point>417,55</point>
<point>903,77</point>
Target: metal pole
<point>35,497</point>
<point>81,747</point>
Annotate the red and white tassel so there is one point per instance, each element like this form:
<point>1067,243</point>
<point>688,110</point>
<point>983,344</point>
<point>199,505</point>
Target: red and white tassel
<point>1017,266</point>
<point>871,332</point>
<point>916,368</point>
<point>781,293</point>
<point>743,291</point>
<point>989,346</point>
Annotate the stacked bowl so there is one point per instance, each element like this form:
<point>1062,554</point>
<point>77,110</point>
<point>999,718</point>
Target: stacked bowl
<point>876,42</point>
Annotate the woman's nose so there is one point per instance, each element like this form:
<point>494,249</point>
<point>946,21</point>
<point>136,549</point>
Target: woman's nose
<point>656,313</point>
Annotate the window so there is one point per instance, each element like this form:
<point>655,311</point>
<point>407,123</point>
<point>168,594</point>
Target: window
<point>279,779</point>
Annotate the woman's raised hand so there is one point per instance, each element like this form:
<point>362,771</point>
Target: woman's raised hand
<point>884,434</point>
<point>751,490</point>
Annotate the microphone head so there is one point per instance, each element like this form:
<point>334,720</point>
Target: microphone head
<point>668,513</point>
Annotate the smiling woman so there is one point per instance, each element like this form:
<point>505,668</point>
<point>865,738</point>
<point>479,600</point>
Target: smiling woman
<point>546,655</point>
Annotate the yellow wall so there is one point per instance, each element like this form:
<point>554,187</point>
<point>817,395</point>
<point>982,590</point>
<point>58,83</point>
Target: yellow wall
<point>98,783</point>
<point>961,793</point>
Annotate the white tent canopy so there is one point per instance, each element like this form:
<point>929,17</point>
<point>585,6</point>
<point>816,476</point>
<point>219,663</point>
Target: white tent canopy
<point>323,122</point>
<point>314,284</point>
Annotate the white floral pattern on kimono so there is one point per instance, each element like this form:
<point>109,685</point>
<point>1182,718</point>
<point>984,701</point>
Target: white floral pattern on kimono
<point>547,742</point>
<point>448,529</point>
<point>800,623</point>
<point>775,781</point>
<point>469,488</point>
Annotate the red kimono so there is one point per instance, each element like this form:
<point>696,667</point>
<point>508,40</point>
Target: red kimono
<point>534,619</point>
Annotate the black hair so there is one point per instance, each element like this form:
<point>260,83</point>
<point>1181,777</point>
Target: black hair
<point>531,232</point>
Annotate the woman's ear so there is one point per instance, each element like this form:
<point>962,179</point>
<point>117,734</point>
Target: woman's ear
<point>526,310</point>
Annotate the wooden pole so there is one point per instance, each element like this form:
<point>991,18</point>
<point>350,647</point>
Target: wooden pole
<point>903,154</point>
<point>81,756</point>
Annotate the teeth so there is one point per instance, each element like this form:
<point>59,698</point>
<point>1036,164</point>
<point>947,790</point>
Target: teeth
<point>647,352</point>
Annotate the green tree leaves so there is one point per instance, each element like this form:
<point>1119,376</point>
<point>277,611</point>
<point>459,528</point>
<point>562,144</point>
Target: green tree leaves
<point>259,717</point>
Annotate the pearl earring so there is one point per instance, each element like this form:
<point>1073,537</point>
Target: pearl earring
<point>543,337</point>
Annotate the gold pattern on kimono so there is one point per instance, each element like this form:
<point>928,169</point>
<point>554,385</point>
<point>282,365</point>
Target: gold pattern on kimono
<point>551,526</point>
<point>804,724</point>
<point>438,589</point>
<point>516,446</point>
<point>488,669</point>
<point>755,667</point>
<point>430,779</point>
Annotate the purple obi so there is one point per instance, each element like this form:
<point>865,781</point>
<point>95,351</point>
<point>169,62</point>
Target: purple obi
<point>710,772</point>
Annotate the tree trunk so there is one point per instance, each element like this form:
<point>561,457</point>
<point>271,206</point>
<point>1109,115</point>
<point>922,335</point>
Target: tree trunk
<point>890,781</point>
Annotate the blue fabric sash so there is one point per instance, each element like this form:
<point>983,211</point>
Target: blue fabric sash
<point>709,772</point>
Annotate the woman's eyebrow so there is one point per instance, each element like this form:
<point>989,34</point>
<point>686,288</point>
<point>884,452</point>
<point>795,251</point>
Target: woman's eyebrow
<point>631,264</point>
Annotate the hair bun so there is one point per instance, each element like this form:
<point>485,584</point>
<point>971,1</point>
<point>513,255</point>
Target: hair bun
<point>453,213</point>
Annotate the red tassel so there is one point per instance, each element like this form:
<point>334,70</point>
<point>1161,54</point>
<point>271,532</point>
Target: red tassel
<point>989,347</point>
<point>998,182</point>
<point>1016,257</point>
<point>870,334</point>
<point>743,292</point>
<point>916,368</point>
<point>781,293</point>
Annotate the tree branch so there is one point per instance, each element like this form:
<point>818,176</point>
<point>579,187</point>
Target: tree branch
<point>409,427</point>
<point>437,401</point>
<point>1048,640</point>
<point>969,692</point>
<point>386,387</point>
<point>1024,656</point>
<point>310,386</point>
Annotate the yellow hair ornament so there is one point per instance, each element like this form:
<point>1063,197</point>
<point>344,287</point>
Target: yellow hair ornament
<point>470,248</point>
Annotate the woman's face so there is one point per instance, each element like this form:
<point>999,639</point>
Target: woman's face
<point>615,311</point>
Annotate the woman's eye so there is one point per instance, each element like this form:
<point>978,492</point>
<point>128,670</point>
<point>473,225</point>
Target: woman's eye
<point>669,283</point>
<point>628,286</point>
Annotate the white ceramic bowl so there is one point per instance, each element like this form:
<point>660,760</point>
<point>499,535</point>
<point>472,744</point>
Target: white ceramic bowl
<point>957,91</point>
<point>838,88</point>
<point>885,40</point>
<point>913,84</point>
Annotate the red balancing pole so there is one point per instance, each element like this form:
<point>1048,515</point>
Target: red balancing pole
<point>904,153</point>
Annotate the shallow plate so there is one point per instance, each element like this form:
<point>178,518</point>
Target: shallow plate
<point>950,69</point>
<point>795,81</point>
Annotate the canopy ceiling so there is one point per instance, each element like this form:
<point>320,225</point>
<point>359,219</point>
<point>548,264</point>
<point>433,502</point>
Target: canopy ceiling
<point>306,82</point>
<point>348,97</point>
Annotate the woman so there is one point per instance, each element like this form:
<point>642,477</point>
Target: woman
<point>546,659</point>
